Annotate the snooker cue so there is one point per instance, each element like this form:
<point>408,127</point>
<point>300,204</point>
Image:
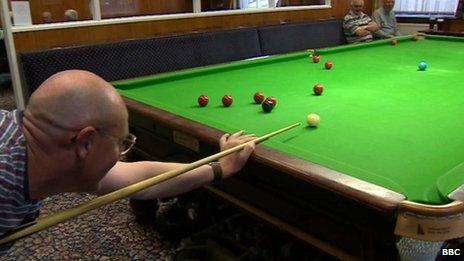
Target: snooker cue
<point>56,218</point>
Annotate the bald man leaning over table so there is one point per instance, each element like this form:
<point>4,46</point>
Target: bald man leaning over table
<point>69,139</point>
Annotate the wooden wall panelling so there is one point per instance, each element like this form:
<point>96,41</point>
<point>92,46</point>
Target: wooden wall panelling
<point>341,8</point>
<point>143,29</point>
<point>46,39</point>
<point>57,8</point>
<point>216,4</point>
<point>164,7</point>
<point>369,6</point>
<point>143,7</point>
<point>116,8</point>
<point>119,8</point>
<point>453,25</point>
<point>25,43</point>
<point>302,2</point>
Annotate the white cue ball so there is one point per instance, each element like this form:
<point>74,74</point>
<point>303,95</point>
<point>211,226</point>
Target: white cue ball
<point>313,119</point>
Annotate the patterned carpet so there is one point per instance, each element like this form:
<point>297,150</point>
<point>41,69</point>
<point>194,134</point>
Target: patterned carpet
<point>108,233</point>
<point>7,101</point>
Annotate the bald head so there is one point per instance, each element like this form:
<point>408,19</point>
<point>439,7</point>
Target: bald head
<point>47,17</point>
<point>356,6</point>
<point>75,99</point>
<point>70,15</point>
<point>73,125</point>
<point>356,2</point>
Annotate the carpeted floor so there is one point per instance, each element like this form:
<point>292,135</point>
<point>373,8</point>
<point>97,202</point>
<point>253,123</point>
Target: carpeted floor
<point>7,101</point>
<point>108,233</point>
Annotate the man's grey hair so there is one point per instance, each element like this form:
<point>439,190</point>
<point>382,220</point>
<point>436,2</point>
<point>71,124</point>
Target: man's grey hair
<point>352,2</point>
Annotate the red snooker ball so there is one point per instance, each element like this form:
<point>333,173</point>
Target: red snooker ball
<point>272,99</point>
<point>393,41</point>
<point>318,89</point>
<point>258,97</point>
<point>227,100</point>
<point>316,58</point>
<point>203,100</point>
<point>328,65</point>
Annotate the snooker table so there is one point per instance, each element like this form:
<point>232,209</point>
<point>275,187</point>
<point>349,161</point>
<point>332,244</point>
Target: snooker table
<point>381,164</point>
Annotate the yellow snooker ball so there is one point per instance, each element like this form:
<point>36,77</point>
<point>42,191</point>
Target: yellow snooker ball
<point>313,119</point>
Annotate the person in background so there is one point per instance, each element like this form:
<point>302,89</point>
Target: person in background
<point>47,17</point>
<point>358,26</point>
<point>386,20</point>
<point>71,15</point>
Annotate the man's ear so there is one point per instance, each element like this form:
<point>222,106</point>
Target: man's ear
<point>84,141</point>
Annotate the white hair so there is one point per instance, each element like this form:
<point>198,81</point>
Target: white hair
<point>352,2</point>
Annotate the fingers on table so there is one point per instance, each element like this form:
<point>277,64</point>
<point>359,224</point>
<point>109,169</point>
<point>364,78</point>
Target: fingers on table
<point>237,134</point>
<point>247,139</point>
<point>237,137</point>
<point>224,138</point>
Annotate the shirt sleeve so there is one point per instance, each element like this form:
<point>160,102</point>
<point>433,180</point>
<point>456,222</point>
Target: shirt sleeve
<point>349,25</point>
<point>397,31</point>
<point>382,34</point>
<point>378,20</point>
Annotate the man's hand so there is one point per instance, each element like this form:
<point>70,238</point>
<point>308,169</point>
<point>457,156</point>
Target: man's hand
<point>126,173</point>
<point>234,162</point>
<point>372,27</point>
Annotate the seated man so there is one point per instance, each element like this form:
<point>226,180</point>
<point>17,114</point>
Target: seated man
<point>357,26</point>
<point>47,17</point>
<point>70,15</point>
<point>386,20</point>
<point>69,139</point>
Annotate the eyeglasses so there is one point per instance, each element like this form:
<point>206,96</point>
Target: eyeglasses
<point>125,145</point>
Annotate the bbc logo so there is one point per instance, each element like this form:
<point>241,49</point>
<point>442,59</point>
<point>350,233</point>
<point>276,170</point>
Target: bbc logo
<point>451,252</point>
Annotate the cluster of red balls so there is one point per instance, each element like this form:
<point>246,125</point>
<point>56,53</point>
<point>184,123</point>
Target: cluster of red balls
<point>316,58</point>
<point>319,88</point>
<point>267,104</point>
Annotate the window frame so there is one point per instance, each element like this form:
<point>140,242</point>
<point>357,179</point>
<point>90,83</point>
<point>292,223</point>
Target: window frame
<point>196,13</point>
